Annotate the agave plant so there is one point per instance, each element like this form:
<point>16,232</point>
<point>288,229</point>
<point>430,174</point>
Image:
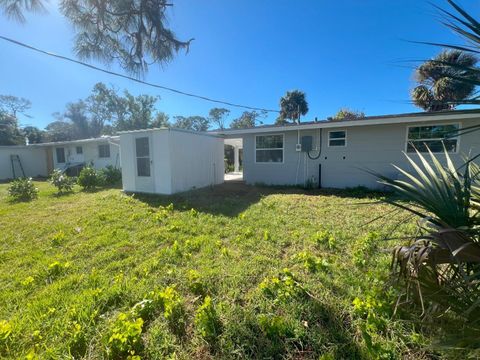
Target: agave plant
<point>442,264</point>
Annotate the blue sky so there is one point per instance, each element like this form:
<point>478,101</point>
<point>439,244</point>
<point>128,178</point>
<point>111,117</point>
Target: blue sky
<point>345,53</point>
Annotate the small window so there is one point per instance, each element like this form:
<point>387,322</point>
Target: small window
<point>104,151</point>
<point>433,137</point>
<point>142,150</point>
<point>337,138</point>
<point>79,150</point>
<point>269,148</point>
<point>60,155</point>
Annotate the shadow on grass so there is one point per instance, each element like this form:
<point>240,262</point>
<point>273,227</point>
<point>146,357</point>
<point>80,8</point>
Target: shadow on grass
<point>325,331</point>
<point>231,199</point>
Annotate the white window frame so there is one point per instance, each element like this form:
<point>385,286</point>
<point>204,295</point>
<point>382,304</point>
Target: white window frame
<point>344,138</point>
<point>283,149</point>
<point>64,155</point>
<point>109,151</point>
<point>434,124</point>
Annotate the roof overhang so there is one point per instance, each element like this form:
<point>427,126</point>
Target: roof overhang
<point>81,141</point>
<point>351,123</point>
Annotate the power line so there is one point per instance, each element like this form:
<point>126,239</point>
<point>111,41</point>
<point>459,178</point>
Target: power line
<point>132,78</point>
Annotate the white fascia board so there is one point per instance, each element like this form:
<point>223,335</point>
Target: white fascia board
<point>352,123</point>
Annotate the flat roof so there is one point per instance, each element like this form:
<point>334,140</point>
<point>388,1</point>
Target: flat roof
<point>204,133</point>
<point>368,120</point>
<point>79,141</point>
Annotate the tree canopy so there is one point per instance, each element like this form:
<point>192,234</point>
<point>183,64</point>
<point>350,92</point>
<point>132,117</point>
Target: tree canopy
<point>133,33</point>
<point>218,117</point>
<point>194,123</point>
<point>248,119</point>
<point>348,114</point>
<point>292,105</point>
<point>442,80</point>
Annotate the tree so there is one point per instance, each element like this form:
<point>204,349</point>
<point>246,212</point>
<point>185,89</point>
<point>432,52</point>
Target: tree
<point>218,117</point>
<point>14,105</point>
<point>292,105</point>
<point>60,130</point>
<point>247,120</point>
<point>138,110</point>
<point>9,133</point>
<point>161,120</point>
<point>194,123</point>
<point>34,134</point>
<point>348,114</point>
<point>76,114</point>
<point>100,108</point>
<point>132,32</point>
<point>440,80</point>
<point>10,107</point>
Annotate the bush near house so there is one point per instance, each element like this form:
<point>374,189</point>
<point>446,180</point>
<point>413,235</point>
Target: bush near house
<point>61,181</point>
<point>111,175</point>
<point>22,189</point>
<point>241,272</point>
<point>89,178</point>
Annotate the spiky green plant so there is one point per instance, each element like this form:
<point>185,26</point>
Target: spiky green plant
<point>442,264</point>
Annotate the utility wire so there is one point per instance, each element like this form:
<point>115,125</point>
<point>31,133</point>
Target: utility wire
<point>132,78</point>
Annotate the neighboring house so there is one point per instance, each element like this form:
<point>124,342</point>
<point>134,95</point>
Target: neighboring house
<point>33,161</point>
<point>99,152</point>
<point>342,151</point>
<point>39,160</point>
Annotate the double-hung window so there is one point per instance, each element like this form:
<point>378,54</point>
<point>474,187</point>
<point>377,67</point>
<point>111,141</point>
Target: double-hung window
<point>104,151</point>
<point>337,138</point>
<point>433,137</point>
<point>269,148</point>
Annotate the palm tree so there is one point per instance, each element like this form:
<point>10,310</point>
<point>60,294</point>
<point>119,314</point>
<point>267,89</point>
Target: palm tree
<point>441,80</point>
<point>292,105</point>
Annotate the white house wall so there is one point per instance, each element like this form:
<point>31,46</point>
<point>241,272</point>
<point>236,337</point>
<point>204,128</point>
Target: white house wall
<point>197,160</point>
<point>33,159</point>
<point>162,170</point>
<point>127,155</point>
<point>374,147</point>
<point>90,154</point>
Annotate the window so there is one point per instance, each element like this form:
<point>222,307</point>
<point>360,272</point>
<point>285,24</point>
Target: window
<point>337,138</point>
<point>60,155</point>
<point>433,137</point>
<point>104,151</point>
<point>142,149</point>
<point>269,149</point>
<point>79,150</point>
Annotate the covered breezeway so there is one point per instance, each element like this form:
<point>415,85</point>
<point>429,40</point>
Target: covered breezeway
<point>234,147</point>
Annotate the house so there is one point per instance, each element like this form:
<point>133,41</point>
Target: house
<point>336,154</point>
<point>167,161</point>
<point>38,160</point>
<point>333,154</point>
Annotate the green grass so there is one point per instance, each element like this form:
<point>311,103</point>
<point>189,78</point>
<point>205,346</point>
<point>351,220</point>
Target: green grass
<point>233,272</point>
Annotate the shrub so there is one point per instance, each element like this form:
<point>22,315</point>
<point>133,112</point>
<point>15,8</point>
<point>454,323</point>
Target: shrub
<point>23,189</point>
<point>61,181</point>
<point>89,178</point>
<point>111,175</point>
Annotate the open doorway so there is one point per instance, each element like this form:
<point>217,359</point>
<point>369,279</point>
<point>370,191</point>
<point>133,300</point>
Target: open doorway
<point>233,159</point>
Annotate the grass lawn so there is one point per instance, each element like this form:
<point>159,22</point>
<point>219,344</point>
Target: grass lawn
<point>231,272</point>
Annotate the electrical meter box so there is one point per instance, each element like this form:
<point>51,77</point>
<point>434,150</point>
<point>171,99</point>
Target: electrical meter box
<point>306,143</point>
